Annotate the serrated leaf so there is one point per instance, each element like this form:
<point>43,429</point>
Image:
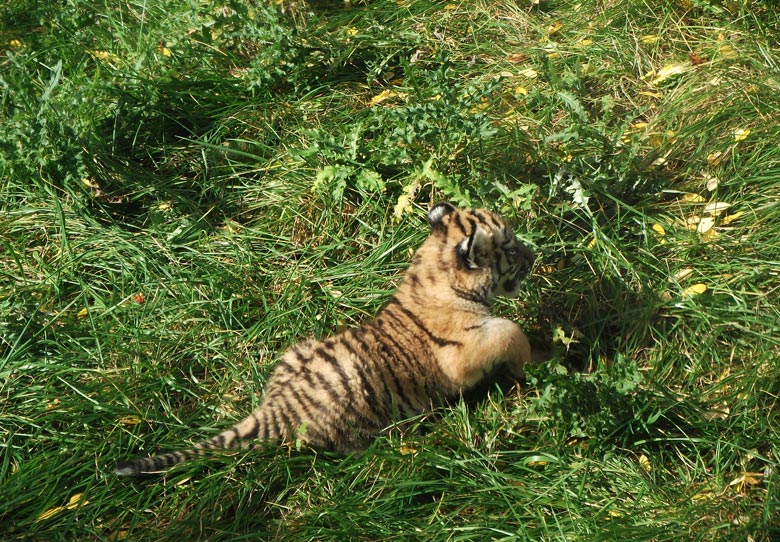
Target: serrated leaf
<point>369,180</point>
<point>404,203</point>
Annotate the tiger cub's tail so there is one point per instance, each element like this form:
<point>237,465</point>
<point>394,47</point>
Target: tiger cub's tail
<point>237,436</point>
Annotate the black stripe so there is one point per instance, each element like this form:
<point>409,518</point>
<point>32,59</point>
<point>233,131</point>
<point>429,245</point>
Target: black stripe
<point>396,355</point>
<point>470,296</point>
<point>481,217</point>
<point>220,440</point>
<point>398,346</point>
<point>458,220</point>
<point>262,432</point>
<point>252,433</point>
<point>310,405</point>
<point>398,394</point>
<point>473,224</point>
<point>401,353</point>
<point>365,382</point>
<point>413,279</point>
<point>273,421</point>
<point>322,383</point>
<point>330,358</point>
<point>414,318</point>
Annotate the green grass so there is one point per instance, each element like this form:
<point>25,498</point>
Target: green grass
<point>187,188</point>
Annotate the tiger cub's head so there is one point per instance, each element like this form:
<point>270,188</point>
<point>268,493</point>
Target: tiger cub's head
<point>483,256</point>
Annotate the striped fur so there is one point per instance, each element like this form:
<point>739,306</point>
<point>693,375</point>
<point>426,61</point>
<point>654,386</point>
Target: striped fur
<point>434,339</point>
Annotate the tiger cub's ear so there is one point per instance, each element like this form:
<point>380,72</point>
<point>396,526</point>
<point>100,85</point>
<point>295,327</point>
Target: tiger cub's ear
<point>473,250</point>
<point>438,212</point>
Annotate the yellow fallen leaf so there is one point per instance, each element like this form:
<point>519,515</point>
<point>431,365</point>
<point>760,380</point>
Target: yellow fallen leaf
<point>554,28</point>
<point>164,51</point>
<point>649,39</point>
<point>104,55</point>
<point>691,197</point>
<point>650,94</point>
<point>726,51</point>
<point>129,420</point>
<point>746,479</point>
<point>741,134</point>
<point>695,289</point>
<point>644,462</point>
<point>407,450</point>
<point>15,44</point>
<point>637,126</point>
<point>75,501</point>
<point>714,158</point>
<point>668,71</point>
<point>450,7</point>
<point>585,42</point>
<point>657,228</point>
<point>692,222</point>
<point>728,219</point>
<point>709,235</point>
<point>82,313</point>
<point>51,512</point>
<point>381,97</point>
<point>703,495</point>
<point>522,91</point>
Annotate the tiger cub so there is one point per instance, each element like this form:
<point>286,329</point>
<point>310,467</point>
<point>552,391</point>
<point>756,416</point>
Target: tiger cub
<point>434,339</point>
